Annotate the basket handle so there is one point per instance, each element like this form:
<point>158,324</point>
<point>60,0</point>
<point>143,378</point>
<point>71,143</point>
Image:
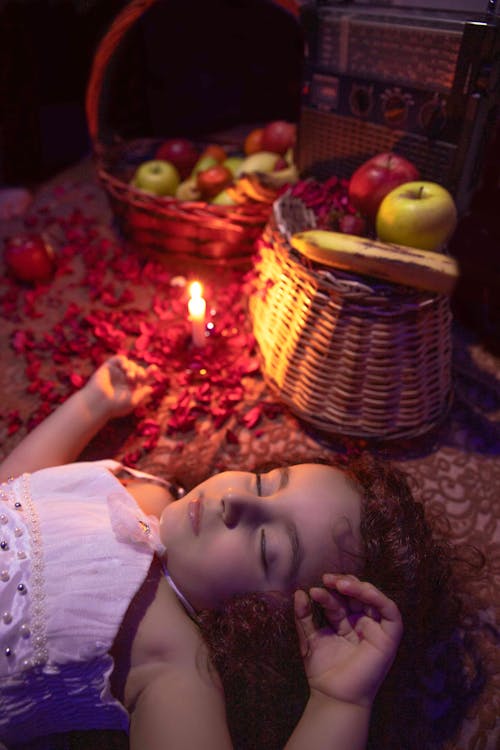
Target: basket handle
<point>109,43</point>
<point>107,46</point>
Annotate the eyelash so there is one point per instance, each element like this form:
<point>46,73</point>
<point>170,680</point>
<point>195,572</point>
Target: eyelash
<point>263,550</point>
<point>258,483</point>
<point>263,555</point>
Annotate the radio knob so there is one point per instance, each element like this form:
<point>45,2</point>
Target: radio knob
<point>432,116</point>
<point>361,100</point>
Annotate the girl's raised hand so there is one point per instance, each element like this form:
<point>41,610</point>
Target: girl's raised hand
<point>122,383</point>
<point>348,658</point>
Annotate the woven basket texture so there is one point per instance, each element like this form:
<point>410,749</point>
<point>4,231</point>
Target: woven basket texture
<point>347,354</point>
<point>162,225</point>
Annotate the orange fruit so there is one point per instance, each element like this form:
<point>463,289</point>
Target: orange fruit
<point>216,151</point>
<point>253,141</point>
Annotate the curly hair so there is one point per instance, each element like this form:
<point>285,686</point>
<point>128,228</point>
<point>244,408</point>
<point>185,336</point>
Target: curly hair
<point>254,647</point>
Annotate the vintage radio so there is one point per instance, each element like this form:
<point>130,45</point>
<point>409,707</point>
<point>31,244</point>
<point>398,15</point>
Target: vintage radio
<point>421,82</point>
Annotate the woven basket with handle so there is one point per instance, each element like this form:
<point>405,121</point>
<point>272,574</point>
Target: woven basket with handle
<point>347,354</point>
<point>156,225</point>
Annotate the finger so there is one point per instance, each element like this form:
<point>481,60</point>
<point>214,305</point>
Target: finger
<point>335,608</point>
<point>355,605</point>
<point>303,620</point>
<point>141,394</point>
<point>370,631</point>
<point>369,596</point>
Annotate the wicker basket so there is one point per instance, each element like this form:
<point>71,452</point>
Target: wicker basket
<point>347,354</point>
<point>163,225</point>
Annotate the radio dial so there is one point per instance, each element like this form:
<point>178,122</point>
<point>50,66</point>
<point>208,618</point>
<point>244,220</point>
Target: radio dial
<point>395,107</point>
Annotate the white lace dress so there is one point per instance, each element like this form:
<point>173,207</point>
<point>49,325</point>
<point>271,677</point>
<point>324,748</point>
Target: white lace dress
<point>74,549</point>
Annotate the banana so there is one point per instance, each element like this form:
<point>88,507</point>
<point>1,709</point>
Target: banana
<point>253,188</point>
<point>188,190</point>
<point>422,269</point>
<point>282,177</point>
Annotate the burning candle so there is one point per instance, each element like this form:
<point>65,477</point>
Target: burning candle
<point>197,307</point>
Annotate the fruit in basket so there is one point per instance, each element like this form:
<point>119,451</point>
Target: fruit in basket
<point>410,266</point>
<point>157,176</point>
<point>29,258</point>
<point>188,190</point>
<point>279,177</point>
<point>371,182</point>
<point>216,151</point>
<point>213,180</point>
<point>233,163</point>
<point>253,141</point>
<point>180,152</point>
<point>352,224</point>
<point>419,214</point>
<point>223,199</point>
<point>204,162</point>
<point>278,136</point>
<point>261,161</point>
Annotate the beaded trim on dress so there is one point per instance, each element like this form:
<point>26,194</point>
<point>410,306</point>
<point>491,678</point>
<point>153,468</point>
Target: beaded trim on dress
<point>32,630</point>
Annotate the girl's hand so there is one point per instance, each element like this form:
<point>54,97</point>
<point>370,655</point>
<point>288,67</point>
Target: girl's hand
<point>122,385</point>
<point>348,659</point>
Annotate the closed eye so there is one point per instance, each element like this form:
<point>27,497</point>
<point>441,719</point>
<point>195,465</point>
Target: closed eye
<point>263,553</point>
<point>258,484</point>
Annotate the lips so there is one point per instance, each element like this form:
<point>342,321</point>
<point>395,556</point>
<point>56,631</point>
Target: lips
<point>194,513</point>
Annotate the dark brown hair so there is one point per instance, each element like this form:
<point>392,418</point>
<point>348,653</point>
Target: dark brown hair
<point>254,647</point>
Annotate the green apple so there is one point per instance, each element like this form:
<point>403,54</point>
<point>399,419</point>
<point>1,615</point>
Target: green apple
<point>157,176</point>
<point>233,163</point>
<point>204,163</point>
<point>260,161</point>
<point>223,199</point>
<point>418,214</point>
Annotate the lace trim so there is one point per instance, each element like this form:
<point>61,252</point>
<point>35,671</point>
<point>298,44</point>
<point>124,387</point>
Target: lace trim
<point>37,600</point>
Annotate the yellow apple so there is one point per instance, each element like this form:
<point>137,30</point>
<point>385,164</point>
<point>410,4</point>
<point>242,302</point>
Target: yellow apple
<point>223,199</point>
<point>233,163</point>
<point>418,214</point>
<point>205,162</point>
<point>156,176</point>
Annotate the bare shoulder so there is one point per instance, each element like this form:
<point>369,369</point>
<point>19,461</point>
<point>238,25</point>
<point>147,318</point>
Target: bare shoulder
<point>166,640</point>
<point>172,691</point>
<point>182,703</point>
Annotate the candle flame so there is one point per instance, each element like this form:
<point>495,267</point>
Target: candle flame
<point>195,290</point>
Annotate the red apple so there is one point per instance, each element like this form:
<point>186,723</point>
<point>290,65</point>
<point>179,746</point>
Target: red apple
<point>29,257</point>
<point>374,179</point>
<point>179,152</point>
<point>216,151</point>
<point>213,180</point>
<point>278,137</point>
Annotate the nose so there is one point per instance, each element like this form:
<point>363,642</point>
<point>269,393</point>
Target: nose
<point>241,507</point>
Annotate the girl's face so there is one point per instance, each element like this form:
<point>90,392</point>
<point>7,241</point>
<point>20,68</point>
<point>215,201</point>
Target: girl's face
<point>240,532</point>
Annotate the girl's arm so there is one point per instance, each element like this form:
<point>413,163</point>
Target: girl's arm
<point>114,390</point>
<point>345,661</point>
